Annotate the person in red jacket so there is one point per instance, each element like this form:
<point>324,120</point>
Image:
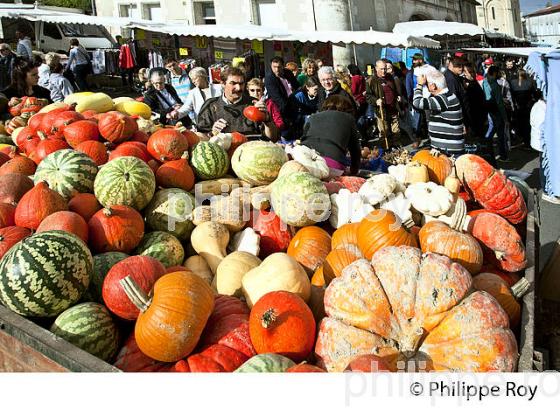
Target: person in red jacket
<point>255,88</point>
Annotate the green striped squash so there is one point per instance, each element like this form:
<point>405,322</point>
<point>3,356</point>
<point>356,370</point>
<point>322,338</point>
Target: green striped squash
<point>67,172</point>
<point>162,246</point>
<point>45,274</point>
<point>266,363</point>
<point>125,181</point>
<point>258,162</point>
<point>169,211</point>
<point>90,327</point>
<point>209,160</point>
<point>300,199</point>
<point>102,263</point>
<point>6,139</point>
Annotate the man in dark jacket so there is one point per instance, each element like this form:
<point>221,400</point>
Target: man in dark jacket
<point>7,57</point>
<point>456,86</point>
<point>280,83</point>
<point>163,99</point>
<point>331,86</point>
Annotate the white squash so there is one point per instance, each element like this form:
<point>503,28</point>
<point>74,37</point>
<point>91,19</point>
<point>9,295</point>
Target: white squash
<point>146,126</point>
<point>279,271</point>
<point>231,271</point>
<point>245,241</point>
<point>378,188</point>
<point>347,207</point>
<point>400,205</point>
<point>210,240</point>
<point>398,172</point>
<point>197,265</point>
<point>429,198</point>
<point>416,172</point>
<point>310,159</point>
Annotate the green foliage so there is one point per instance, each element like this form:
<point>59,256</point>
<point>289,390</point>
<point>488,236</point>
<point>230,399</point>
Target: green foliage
<point>77,4</point>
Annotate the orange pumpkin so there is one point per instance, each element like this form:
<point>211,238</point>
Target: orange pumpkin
<point>368,363</point>
<point>304,368</point>
<point>382,228</point>
<point>508,297</point>
<point>281,322</point>
<point>85,205</point>
<point>337,260</point>
<point>345,235</point>
<point>116,229</point>
<point>413,307</point>
<point>439,165</point>
<point>38,203</point>
<point>462,248</point>
<point>310,246</point>
<point>171,322</point>
<point>18,165</point>
<point>176,174</point>
<point>65,221</point>
<point>318,278</point>
<point>96,150</point>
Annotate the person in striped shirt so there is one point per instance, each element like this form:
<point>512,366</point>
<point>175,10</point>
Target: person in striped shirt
<point>179,79</point>
<point>445,122</point>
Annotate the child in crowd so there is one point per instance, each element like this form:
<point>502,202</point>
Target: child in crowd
<point>59,86</point>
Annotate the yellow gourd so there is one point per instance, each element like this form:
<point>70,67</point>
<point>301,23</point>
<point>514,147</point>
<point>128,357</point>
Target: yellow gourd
<point>98,102</point>
<point>75,98</point>
<point>197,265</point>
<point>134,108</point>
<point>210,240</point>
<point>231,271</point>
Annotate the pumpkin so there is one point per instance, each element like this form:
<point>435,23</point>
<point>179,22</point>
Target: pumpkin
<point>213,359</point>
<point>304,368</point>
<point>140,136</point>
<point>311,160</point>
<point>382,228</point>
<point>90,115</point>
<point>460,247</point>
<point>81,131</point>
<point>18,165</point>
<point>511,278</point>
<point>266,363</point>
<point>167,144</point>
<point>116,127</point>
<point>291,167</point>
<point>47,147</point>
<point>35,121</point>
<point>502,245</point>
<point>429,198</point>
<point>345,235</point>
<point>491,188</point>
<point>144,270</point>
<point>118,228</point>
<point>368,363</point>
<point>310,246</point>
<point>14,123</point>
<point>277,272</point>
<point>258,162</point>
<point>57,122</point>
<point>412,307</point>
<point>347,207</point>
<point>282,323</point>
<point>13,187</point>
<point>7,215</point>
<point>378,188</point>
<point>507,296</point>
<point>65,221</point>
<point>131,359</point>
<point>171,322</point>
<point>237,139</point>
<point>37,204</point>
<point>439,165</point>
<point>230,272</point>
<point>131,149</point>
<point>96,150</point>
<point>275,235</point>
<point>85,205</point>
<point>11,235</point>
<point>176,174</point>
<point>416,172</point>
<point>26,139</point>
<point>353,184</point>
<point>337,260</point>
<point>254,114</point>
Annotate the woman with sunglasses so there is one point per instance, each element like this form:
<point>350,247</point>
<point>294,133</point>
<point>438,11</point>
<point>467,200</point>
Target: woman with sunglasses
<point>255,88</point>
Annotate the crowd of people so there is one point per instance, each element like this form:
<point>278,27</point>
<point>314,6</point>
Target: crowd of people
<point>331,109</point>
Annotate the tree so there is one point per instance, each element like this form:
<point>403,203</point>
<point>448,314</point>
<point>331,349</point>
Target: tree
<point>75,4</point>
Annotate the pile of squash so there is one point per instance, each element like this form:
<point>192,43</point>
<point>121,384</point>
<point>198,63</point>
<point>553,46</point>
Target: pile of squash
<point>234,255</point>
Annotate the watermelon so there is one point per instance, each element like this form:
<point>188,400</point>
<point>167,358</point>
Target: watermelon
<point>125,181</point>
<point>90,327</point>
<point>45,274</point>
<point>169,211</point>
<point>162,246</point>
<point>209,160</point>
<point>258,162</point>
<point>67,172</point>
<point>266,363</point>
<point>300,199</point>
<point>102,263</point>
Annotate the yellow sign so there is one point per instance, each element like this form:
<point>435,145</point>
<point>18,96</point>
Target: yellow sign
<point>219,55</point>
<point>183,51</point>
<point>201,42</point>
<point>139,34</point>
<point>156,42</point>
<point>237,60</point>
<point>258,47</point>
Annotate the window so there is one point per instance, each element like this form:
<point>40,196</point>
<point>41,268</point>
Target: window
<point>51,30</point>
<point>129,10</point>
<point>208,13</point>
<point>152,11</point>
<point>81,30</point>
<point>494,13</point>
<point>266,13</point>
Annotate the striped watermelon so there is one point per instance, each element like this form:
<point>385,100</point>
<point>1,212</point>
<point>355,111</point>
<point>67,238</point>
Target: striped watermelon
<point>67,172</point>
<point>266,363</point>
<point>162,246</point>
<point>45,274</point>
<point>258,162</point>
<point>209,160</point>
<point>300,199</point>
<point>102,263</point>
<point>168,212</point>
<point>125,181</point>
<point>90,327</point>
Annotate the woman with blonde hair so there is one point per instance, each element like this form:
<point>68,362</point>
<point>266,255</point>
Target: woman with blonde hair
<point>344,78</point>
<point>308,69</point>
<point>255,88</point>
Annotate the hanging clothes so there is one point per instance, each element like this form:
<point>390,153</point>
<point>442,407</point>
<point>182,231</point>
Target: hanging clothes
<point>155,59</point>
<point>98,62</point>
<point>126,58</point>
<point>551,143</point>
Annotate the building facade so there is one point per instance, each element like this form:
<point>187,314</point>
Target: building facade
<point>500,16</point>
<point>543,26</point>
<point>319,15</point>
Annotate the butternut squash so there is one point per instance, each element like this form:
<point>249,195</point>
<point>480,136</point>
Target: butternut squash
<point>231,271</point>
<point>197,265</point>
<point>210,240</point>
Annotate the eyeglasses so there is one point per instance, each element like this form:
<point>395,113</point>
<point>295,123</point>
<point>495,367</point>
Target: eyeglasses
<point>255,90</point>
<point>327,80</point>
<point>158,82</point>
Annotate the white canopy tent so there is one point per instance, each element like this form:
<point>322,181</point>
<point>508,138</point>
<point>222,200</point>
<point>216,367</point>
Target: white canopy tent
<point>512,51</point>
<point>436,28</point>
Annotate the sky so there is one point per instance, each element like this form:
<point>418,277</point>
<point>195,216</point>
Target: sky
<point>528,6</point>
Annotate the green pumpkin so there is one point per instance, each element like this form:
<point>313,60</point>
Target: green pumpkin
<point>169,211</point>
<point>266,363</point>
<point>258,162</point>
<point>162,246</point>
<point>45,274</point>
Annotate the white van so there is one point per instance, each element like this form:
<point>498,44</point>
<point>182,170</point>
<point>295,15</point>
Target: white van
<point>56,36</point>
